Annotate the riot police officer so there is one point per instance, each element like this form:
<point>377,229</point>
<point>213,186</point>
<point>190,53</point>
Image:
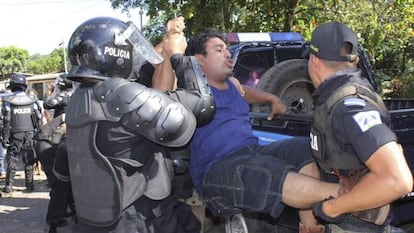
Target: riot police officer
<point>118,130</point>
<point>51,133</point>
<point>21,119</point>
<point>62,92</point>
<point>52,154</point>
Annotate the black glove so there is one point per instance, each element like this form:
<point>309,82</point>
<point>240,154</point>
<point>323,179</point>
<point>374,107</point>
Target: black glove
<point>5,143</point>
<point>322,217</point>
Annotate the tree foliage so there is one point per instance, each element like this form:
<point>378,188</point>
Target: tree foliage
<point>12,60</point>
<point>15,60</point>
<point>385,27</point>
<point>52,63</point>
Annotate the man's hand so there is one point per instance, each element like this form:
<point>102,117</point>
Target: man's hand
<point>50,89</point>
<point>174,40</point>
<point>324,218</point>
<point>176,25</point>
<point>276,107</point>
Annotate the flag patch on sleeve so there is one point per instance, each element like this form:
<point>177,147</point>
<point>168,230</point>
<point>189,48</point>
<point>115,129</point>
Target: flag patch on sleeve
<point>354,102</point>
<point>367,120</point>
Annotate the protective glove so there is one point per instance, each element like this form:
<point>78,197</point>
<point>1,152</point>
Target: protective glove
<point>5,143</point>
<point>322,217</point>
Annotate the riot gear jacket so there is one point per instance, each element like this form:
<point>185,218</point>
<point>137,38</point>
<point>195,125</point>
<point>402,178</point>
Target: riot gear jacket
<point>138,110</point>
<point>21,113</point>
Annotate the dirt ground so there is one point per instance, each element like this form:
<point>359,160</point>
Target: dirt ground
<point>22,212</point>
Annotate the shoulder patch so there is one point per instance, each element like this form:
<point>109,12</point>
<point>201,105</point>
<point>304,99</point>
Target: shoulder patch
<point>354,102</point>
<point>367,120</point>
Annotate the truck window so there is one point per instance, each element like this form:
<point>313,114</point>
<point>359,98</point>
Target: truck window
<point>251,65</point>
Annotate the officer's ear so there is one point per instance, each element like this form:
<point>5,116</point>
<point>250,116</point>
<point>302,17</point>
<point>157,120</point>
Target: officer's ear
<point>313,62</point>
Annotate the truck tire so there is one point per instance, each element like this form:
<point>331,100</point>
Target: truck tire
<point>290,81</point>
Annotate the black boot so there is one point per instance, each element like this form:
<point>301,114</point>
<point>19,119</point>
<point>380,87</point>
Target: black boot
<point>29,178</point>
<point>53,226</point>
<point>8,188</point>
<point>29,187</point>
<point>52,229</point>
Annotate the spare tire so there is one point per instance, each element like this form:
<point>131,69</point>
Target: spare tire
<point>291,82</point>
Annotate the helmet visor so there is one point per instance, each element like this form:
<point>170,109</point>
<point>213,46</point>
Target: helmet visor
<point>142,47</point>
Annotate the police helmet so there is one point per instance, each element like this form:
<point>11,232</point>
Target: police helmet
<point>105,47</point>
<point>63,83</point>
<point>18,82</point>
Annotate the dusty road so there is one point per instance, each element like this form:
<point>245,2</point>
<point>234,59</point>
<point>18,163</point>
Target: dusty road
<point>22,212</point>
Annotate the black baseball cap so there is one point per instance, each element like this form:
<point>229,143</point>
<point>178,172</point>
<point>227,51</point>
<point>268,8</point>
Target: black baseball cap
<point>328,39</point>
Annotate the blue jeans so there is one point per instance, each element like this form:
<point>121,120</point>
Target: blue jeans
<point>3,165</point>
<point>252,177</point>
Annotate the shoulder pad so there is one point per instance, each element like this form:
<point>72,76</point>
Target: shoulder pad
<point>120,96</point>
<point>109,100</point>
<point>83,108</point>
<point>19,99</point>
<point>354,102</point>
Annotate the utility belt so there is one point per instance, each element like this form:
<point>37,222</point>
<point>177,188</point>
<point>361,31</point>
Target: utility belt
<point>378,216</point>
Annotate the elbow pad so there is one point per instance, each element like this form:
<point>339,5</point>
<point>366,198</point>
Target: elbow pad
<point>52,103</point>
<point>197,94</point>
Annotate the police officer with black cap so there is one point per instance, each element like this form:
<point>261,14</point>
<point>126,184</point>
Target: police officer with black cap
<point>351,137</point>
<point>22,118</point>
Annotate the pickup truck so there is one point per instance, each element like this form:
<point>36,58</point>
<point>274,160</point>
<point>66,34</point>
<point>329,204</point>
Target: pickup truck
<point>274,62</point>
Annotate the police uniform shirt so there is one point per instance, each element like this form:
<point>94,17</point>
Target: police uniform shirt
<point>358,125</point>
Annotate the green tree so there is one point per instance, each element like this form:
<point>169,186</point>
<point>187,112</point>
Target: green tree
<point>385,28</point>
<point>12,60</point>
<point>52,63</point>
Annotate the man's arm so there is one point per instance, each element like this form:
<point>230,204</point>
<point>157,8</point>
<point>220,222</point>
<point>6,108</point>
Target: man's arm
<point>256,96</point>
<point>173,42</point>
<point>388,179</point>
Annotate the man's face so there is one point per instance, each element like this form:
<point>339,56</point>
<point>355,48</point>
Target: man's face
<point>217,63</point>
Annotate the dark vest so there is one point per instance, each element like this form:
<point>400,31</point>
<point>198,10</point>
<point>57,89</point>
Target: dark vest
<point>104,185</point>
<point>22,113</point>
<point>329,154</point>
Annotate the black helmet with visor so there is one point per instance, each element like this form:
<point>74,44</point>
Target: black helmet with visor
<point>105,47</point>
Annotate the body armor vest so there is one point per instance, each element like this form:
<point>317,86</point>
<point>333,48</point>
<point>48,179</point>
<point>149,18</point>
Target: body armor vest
<point>20,112</point>
<point>330,155</point>
<point>103,186</point>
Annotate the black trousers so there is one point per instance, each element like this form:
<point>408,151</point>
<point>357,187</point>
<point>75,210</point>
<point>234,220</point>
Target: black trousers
<point>20,151</point>
<point>61,190</point>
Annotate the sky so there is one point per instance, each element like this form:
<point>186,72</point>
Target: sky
<point>39,26</point>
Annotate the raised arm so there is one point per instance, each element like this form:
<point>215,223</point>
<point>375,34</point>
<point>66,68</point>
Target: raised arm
<point>173,42</point>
